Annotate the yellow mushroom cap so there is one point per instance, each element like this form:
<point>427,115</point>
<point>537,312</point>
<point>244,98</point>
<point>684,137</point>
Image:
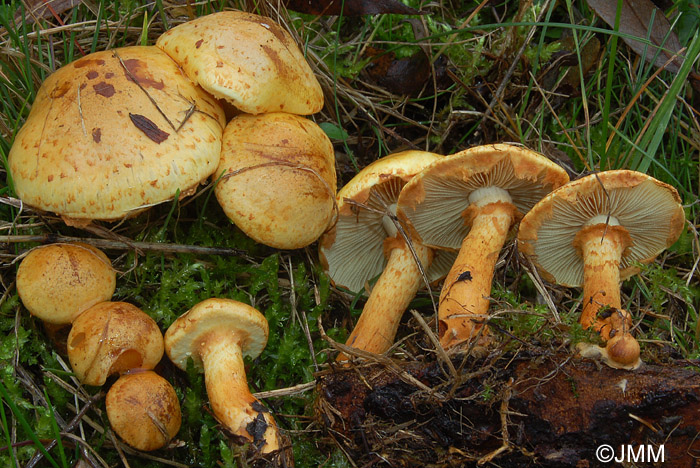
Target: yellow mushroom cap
<point>113,337</point>
<point>649,210</point>
<point>58,282</point>
<point>97,143</point>
<point>279,178</point>
<point>184,337</point>
<point>247,59</point>
<point>352,252</point>
<point>436,199</point>
<point>143,409</point>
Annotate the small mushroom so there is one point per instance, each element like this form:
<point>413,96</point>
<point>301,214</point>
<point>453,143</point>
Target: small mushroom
<point>110,338</point>
<point>279,182</point>
<point>594,232</point>
<point>470,201</point>
<point>217,334</point>
<point>365,242</point>
<point>58,282</point>
<point>143,409</point>
<point>246,59</point>
<point>114,133</point>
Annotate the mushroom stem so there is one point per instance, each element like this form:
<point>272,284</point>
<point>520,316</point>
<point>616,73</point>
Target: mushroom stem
<point>396,287</point>
<point>601,247</point>
<point>229,395</point>
<point>464,296</point>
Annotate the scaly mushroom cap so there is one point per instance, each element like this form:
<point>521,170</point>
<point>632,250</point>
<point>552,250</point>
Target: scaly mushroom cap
<point>436,199</point>
<point>97,145</point>
<point>58,282</point>
<point>279,178</point>
<point>247,59</point>
<point>184,336</point>
<point>113,337</point>
<point>352,252</point>
<point>143,409</point>
<point>649,210</point>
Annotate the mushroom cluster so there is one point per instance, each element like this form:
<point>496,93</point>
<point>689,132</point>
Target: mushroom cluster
<point>403,210</point>
<point>72,284</point>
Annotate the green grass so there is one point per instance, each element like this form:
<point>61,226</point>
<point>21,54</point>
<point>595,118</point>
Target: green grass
<point>595,128</point>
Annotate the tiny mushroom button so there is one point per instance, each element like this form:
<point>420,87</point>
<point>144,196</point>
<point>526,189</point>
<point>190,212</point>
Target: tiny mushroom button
<point>110,338</point>
<point>594,232</point>
<point>365,242</point>
<point>143,409</point>
<point>217,334</point>
<point>246,59</point>
<point>113,133</point>
<point>58,282</point>
<point>470,201</point>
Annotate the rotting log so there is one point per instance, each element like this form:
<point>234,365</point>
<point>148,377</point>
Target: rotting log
<point>550,410</point>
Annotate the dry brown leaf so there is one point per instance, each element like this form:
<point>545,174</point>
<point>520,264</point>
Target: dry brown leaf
<point>641,18</point>
<point>350,7</point>
<point>35,10</point>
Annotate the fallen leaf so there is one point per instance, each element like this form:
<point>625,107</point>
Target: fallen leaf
<point>350,7</point>
<point>641,18</point>
<point>35,10</point>
<point>149,128</point>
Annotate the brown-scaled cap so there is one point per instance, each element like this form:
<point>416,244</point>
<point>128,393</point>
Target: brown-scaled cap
<point>113,337</point>
<point>436,199</point>
<point>247,59</point>
<point>353,250</point>
<point>649,210</point>
<point>58,282</point>
<point>279,178</point>
<point>143,409</point>
<point>113,133</point>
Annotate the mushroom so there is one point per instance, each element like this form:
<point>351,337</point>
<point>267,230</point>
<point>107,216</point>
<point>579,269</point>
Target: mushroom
<point>113,133</point>
<point>217,334</point>
<point>58,282</point>
<point>143,409</point>
<point>110,338</point>
<point>246,59</point>
<point>594,232</point>
<point>470,201</point>
<point>365,242</point>
<point>279,181</point>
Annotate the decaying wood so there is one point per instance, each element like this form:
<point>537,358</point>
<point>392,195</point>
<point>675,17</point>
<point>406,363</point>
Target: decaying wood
<point>543,409</point>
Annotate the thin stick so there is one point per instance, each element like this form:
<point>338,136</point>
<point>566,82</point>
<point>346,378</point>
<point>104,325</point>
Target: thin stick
<point>122,245</point>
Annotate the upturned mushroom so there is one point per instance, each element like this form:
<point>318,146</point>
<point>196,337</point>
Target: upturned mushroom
<point>111,338</point>
<point>58,282</point>
<point>143,409</point>
<point>365,243</point>
<point>113,133</point>
<point>595,232</point>
<point>246,59</point>
<point>279,182</point>
<point>216,334</point>
<point>470,201</point>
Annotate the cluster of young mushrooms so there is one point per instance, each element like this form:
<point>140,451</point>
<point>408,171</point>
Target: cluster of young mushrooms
<point>118,131</point>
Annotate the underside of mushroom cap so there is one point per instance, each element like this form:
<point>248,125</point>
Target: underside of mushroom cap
<point>113,133</point>
<point>183,337</point>
<point>279,181</point>
<point>436,199</point>
<point>649,210</point>
<point>353,250</point>
<point>247,59</point>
